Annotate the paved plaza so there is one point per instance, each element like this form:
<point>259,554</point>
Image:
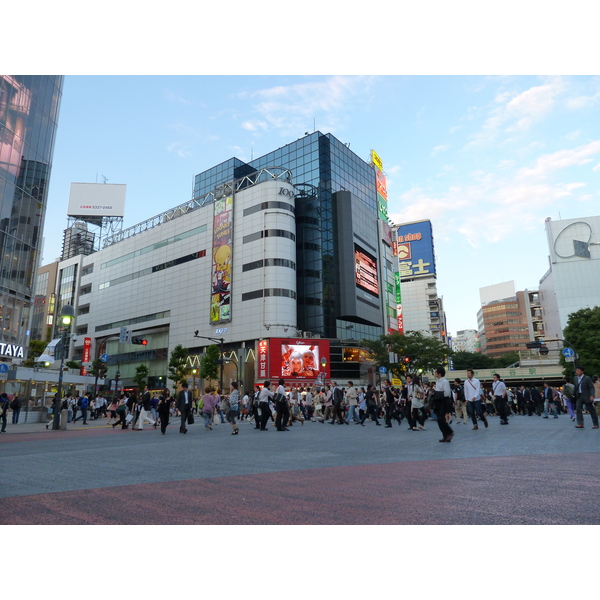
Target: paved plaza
<point>533,471</point>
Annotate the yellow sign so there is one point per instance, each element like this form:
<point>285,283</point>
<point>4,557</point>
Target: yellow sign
<point>376,160</point>
<point>396,382</point>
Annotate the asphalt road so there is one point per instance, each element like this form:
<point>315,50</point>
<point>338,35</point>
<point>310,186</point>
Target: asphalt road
<point>533,471</point>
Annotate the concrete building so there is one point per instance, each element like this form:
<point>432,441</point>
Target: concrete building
<point>572,281</point>
<point>466,340</point>
<point>504,319</point>
<point>283,256</point>
<point>422,306</point>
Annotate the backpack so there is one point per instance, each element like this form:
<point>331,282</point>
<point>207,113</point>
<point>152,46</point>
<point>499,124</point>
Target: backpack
<point>460,393</point>
<point>569,391</point>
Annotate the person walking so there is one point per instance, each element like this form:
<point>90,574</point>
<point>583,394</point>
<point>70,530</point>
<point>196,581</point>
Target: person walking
<point>416,397</point>
<point>263,404</point>
<point>550,400</point>
<point>443,404</point>
<point>499,389</point>
<point>372,408</point>
<point>460,404</point>
<point>473,397</point>
<point>208,408</point>
<point>121,412</point>
<point>234,407</point>
<point>15,406</point>
<point>84,403</point>
<point>338,399</point>
<point>352,400</point>
<point>569,396</point>
<point>281,407</point>
<point>390,404</point>
<point>585,393</point>
<point>145,411</point>
<point>184,405</point>
<point>4,405</point>
<point>164,410</point>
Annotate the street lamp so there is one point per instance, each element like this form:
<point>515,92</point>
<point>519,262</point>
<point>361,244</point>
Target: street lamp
<point>67,315</point>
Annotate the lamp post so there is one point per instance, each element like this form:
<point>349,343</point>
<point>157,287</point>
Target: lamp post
<point>67,315</point>
<point>221,342</point>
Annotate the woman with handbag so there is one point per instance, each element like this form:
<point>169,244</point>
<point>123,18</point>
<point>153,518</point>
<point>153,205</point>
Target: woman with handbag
<point>164,410</point>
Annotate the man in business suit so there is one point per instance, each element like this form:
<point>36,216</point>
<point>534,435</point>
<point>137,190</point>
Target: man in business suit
<point>584,396</point>
<point>184,405</point>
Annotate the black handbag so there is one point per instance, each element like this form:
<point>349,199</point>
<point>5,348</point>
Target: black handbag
<point>190,419</point>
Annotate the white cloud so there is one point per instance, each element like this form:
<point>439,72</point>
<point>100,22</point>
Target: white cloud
<point>439,149</point>
<point>296,107</point>
<point>179,149</point>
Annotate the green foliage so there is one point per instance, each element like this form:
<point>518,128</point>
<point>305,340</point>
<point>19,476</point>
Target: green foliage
<point>98,368</point>
<point>461,361</point>
<point>73,364</point>
<point>36,349</point>
<point>425,352</point>
<point>209,368</point>
<point>141,374</point>
<point>178,369</point>
<point>583,333</point>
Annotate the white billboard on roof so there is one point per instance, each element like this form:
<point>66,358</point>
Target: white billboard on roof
<point>97,200</point>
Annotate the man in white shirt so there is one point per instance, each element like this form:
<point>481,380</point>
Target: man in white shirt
<point>443,404</point>
<point>473,395</point>
<point>499,390</point>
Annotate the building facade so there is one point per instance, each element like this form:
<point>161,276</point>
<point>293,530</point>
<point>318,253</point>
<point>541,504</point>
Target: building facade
<point>572,281</point>
<point>263,261</point>
<point>422,306</point>
<point>29,107</point>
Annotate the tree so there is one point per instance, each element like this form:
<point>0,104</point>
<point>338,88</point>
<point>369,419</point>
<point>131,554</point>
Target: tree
<point>461,361</point>
<point>209,365</point>
<point>583,333</point>
<point>178,369</point>
<point>416,352</point>
<point>36,349</point>
<point>141,373</point>
<point>97,370</point>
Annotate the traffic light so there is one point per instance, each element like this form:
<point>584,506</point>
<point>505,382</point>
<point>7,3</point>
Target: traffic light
<point>406,360</point>
<point>544,350</point>
<point>140,341</point>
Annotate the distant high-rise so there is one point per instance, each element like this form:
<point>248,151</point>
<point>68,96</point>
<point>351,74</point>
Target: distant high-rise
<point>29,106</point>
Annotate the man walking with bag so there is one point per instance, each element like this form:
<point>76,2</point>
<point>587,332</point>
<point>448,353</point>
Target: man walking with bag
<point>184,405</point>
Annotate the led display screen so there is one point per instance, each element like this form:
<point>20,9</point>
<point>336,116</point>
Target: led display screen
<point>366,271</point>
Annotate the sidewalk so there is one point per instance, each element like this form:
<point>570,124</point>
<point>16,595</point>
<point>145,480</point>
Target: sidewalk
<point>41,427</point>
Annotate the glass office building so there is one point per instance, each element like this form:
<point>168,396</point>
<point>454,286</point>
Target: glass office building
<point>322,167</point>
<point>29,106</point>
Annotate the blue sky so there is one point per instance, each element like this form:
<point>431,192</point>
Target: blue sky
<point>486,158</point>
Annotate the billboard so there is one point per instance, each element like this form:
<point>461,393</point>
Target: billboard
<point>416,256</point>
<point>298,359</point>
<point>97,200</point>
<point>365,268</point>
<point>220,299</point>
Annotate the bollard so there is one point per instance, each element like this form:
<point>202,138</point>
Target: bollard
<point>64,415</point>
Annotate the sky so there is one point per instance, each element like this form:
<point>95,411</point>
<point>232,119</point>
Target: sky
<point>486,158</point>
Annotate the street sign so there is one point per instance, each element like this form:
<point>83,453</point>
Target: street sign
<point>123,335</point>
<point>104,357</point>
<point>3,368</point>
<point>568,352</point>
<point>382,370</point>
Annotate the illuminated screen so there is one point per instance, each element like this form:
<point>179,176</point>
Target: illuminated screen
<point>300,360</point>
<point>366,271</point>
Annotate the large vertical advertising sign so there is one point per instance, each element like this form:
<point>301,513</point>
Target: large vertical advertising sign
<point>263,359</point>
<point>87,354</point>
<point>220,300</point>
<point>415,250</point>
<point>301,360</point>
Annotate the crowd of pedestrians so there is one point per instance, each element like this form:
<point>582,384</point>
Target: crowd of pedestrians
<point>417,402</point>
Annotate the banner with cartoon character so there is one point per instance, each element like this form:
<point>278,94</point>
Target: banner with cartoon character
<point>220,304</point>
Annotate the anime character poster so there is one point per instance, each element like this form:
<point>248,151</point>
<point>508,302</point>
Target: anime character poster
<point>220,304</point>
<point>300,360</point>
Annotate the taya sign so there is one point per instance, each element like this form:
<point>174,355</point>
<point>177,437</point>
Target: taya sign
<point>11,350</point>
<point>220,303</point>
